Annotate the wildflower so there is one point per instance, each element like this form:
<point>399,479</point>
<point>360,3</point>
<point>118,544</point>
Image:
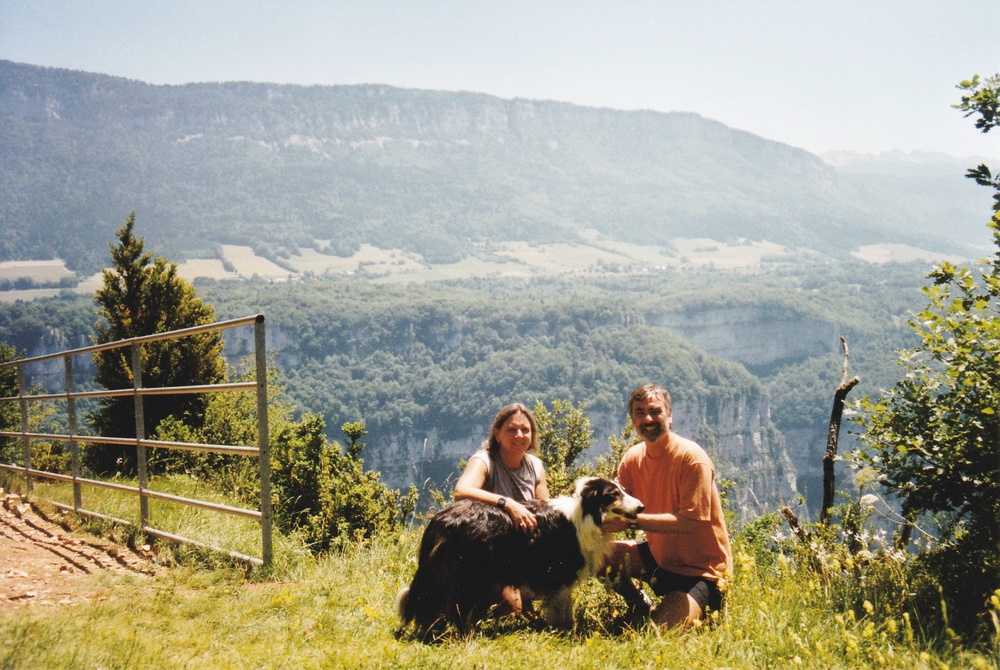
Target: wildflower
<point>869,608</point>
<point>869,500</point>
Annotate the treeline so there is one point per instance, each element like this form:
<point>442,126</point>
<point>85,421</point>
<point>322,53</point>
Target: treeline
<point>445,355</point>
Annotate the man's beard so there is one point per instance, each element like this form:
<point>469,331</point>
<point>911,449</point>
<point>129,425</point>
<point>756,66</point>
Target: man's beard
<point>651,431</point>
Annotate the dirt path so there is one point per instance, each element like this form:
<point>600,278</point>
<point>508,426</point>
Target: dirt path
<point>44,564</point>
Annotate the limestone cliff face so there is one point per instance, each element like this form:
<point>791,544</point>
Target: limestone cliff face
<point>50,374</point>
<point>751,335</point>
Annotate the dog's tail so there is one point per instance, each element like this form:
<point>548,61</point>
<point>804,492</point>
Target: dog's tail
<point>422,603</point>
<point>402,598</point>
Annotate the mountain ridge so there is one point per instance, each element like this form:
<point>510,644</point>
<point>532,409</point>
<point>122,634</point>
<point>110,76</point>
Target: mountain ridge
<point>281,167</point>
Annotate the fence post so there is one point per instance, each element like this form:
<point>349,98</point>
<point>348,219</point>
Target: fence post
<point>263,441</point>
<point>25,441</point>
<point>74,446</point>
<point>140,433</point>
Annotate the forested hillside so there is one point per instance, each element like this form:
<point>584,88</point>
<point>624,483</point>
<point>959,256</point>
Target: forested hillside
<point>282,168</point>
<point>427,366</point>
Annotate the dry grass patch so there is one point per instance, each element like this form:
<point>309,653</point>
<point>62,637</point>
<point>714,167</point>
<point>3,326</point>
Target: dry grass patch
<point>40,272</point>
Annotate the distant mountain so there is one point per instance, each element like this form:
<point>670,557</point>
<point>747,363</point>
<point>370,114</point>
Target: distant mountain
<point>903,164</point>
<point>283,167</point>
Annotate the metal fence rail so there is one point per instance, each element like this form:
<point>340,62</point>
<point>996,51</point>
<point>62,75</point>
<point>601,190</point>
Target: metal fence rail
<point>138,392</point>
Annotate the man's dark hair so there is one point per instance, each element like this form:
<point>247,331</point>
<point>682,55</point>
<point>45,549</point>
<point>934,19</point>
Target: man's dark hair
<point>649,391</point>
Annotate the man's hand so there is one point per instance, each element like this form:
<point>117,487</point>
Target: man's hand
<point>614,525</point>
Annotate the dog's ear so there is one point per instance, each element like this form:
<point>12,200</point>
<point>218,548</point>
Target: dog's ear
<point>590,501</point>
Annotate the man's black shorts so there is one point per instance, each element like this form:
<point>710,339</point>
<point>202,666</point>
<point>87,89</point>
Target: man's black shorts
<point>704,591</point>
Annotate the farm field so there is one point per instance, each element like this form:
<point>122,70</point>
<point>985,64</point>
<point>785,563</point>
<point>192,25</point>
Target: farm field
<point>507,259</point>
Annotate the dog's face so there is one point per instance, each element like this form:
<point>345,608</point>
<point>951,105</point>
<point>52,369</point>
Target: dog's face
<point>604,499</point>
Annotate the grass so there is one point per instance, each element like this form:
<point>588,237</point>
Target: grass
<point>336,611</point>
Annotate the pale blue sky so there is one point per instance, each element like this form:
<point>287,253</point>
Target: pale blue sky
<point>823,75</point>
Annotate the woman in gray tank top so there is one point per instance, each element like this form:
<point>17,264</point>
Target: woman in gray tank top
<point>506,471</point>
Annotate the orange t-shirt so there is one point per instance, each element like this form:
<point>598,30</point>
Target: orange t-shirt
<point>680,482</point>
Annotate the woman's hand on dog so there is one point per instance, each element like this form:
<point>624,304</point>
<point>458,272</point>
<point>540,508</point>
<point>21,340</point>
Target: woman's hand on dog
<point>523,519</point>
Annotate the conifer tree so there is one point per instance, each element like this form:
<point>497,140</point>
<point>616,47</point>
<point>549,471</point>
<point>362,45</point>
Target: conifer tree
<point>143,295</point>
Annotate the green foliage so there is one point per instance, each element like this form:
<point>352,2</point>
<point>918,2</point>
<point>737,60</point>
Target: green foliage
<point>10,415</point>
<point>326,494</point>
<point>934,438</point>
<point>354,431</point>
<point>417,359</point>
<point>143,295</point>
<point>319,490</point>
<point>564,433</point>
<point>228,418</point>
<point>982,100</point>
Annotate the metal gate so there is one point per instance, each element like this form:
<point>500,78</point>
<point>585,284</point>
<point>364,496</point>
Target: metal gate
<point>141,444</point>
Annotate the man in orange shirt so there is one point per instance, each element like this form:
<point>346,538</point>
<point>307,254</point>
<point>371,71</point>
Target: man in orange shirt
<point>686,556</point>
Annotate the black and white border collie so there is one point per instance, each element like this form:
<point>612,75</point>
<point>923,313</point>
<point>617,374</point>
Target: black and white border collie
<point>471,550</point>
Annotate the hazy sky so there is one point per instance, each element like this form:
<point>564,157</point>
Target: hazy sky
<point>861,75</point>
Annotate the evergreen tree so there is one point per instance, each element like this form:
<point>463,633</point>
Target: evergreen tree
<point>143,295</point>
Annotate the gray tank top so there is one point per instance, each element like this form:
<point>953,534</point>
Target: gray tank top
<point>518,483</point>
